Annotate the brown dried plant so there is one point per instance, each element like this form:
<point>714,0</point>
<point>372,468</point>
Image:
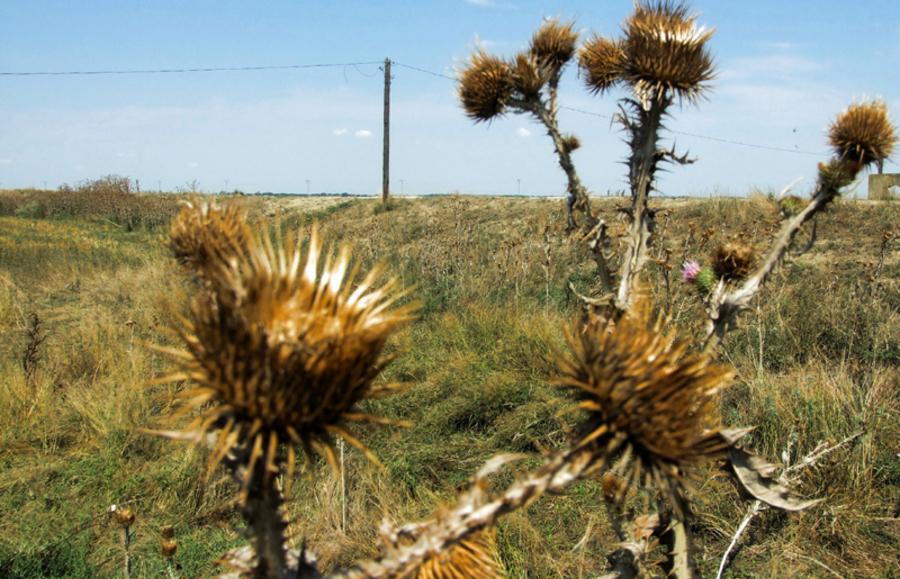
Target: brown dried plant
<point>733,261</point>
<point>647,400</point>
<point>485,87</point>
<point>863,133</point>
<point>475,556</point>
<point>203,232</point>
<point>553,45</point>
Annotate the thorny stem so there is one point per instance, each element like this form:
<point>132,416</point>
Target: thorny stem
<point>724,311</point>
<point>558,473</point>
<point>642,167</point>
<point>578,197</point>
<point>263,514</point>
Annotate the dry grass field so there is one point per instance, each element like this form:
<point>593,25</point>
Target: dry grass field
<point>85,290</point>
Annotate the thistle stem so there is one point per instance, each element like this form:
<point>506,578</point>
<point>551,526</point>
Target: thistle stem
<point>262,511</point>
<point>642,167</point>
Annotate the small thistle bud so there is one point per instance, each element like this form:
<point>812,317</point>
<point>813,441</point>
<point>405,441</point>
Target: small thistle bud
<point>125,517</point>
<point>863,133</point>
<point>485,87</point>
<point>689,271</point>
<point>553,45</point>
<point>666,52</point>
<point>733,261</point>
<point>706,280</point>
<point>792,205</point>
<point>647,399</point>
<point>571,143</point>
<point>614,488</point>
<point>168,547</point>
<point>603,62</point>
<point>167,532</point>
<point>475,556</point>
<point>527,77</point>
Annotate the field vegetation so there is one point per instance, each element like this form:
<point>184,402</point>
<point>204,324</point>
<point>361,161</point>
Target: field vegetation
<point>86,289</point>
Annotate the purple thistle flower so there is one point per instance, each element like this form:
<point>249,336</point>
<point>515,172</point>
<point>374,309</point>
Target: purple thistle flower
<point>689,271</point>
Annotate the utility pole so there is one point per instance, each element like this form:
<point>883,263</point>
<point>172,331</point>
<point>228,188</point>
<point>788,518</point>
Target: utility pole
<point>386,155</point>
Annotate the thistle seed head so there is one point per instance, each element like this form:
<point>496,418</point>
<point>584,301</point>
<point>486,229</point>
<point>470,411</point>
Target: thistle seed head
<point>603,62</point>
<point>485,87</point>
<point>733,261</point>
<point>202,232</point>
<point>553,45</point>
<point>666,51</point>
<point>282,349</point>
<point>863,133</point>
<point>527,77</point>
<point>475,556</point>
<point>647,399</point>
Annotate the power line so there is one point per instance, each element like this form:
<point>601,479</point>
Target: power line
<point>432,73</point>
<point>187,70</point>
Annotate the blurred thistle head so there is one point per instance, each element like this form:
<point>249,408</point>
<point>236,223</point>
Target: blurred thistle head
<point>689,271</point>
<point>281,351</point>
<point>603,61</point>
<point>733,261</point>
<point>571,143</point>
<point>553,44</point>
<point>863,133</point>
<point>474,556</point>
<point>792,205</point>
<point>648,399</point>
<point>202,232</point>
<point>526,76</point>
<point>485,86</point>
<point>706,280</point>
<point>666,51</point>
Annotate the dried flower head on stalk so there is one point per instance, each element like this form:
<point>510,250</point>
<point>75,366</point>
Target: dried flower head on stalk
<point>282,349</point>
<point>553,45</point>
<point>202,232</point>
<point>647,398</point>
<point>485,87</point>
<point>733,260</point>
<point>663,53</point>
<point>863,133</point>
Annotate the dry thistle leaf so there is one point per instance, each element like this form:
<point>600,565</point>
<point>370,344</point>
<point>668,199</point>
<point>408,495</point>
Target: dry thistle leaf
<point>603,62</point>
<point>863,133</point>
<point>648,400</point>
<point>733,261</point>
<point>485,87</point>
<point>666,52</point>
<point>281,349</point>
<point>475,556</point>
<point>553,45</point>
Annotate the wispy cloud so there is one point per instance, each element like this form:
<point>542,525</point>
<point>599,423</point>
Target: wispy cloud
<point>523,132</point>
<point>339,132</point>
<point>362,134</point>
<point>483,3</point>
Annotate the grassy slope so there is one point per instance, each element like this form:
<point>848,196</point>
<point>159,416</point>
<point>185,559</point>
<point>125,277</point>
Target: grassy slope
<point>817,361</point>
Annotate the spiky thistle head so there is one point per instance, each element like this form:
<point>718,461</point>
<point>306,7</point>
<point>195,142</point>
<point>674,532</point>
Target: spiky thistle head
<point>474,556</point>
<point>706,280</point>
<point>202,232</point>
<point>485,86</point>
<point>571,143</point>
<point>281,349</point>
<point>647,397</point>
<point>603,62</point>
<point>666,51</point>
<point>689,271</point>
<point>863,133</point>
<point>733,260</point>
<point>527,77</point>
<point>553,44</point>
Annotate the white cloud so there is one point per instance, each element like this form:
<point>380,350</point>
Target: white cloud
<point>339,132</point>
<point>362,134</point>
<point>523,132</point>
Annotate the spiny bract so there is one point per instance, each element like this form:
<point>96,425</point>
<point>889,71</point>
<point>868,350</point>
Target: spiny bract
<point>863,133</point>
<point>603,61</point>
<point>650,403</point>
<point>281,349</point>
<point>475,556</point>
<point>485,86</point>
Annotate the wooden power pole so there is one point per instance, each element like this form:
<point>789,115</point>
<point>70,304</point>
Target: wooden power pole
<point>386,155</point>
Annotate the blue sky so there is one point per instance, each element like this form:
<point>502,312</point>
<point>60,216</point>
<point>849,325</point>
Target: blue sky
<point>785,69</point>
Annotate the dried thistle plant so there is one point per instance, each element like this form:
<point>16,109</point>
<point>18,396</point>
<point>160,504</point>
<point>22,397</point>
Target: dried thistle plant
<point>490,87</point>
<point>733,261</point>
<point>202,233</point>
<point>475,556</point>
<point>647,399</point>
<point>863,133</point>
<point>281,349</point>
